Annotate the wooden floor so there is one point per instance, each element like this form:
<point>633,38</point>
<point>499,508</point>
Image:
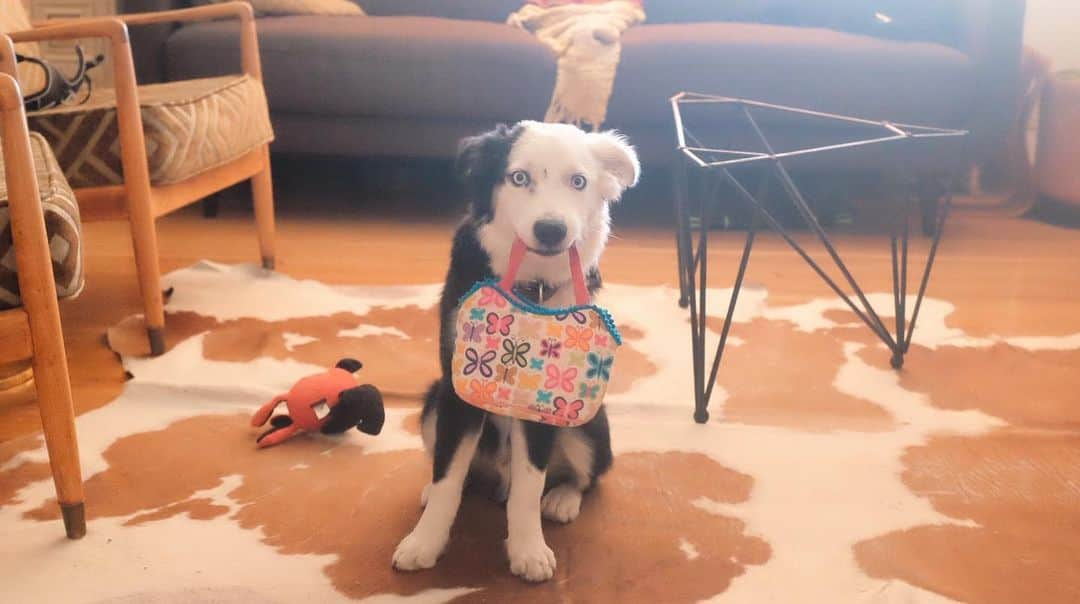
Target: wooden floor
<point>824,476</point>
<point>1006,275</point>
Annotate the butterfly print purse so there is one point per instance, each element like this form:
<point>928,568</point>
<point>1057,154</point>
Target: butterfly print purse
<point>518,359</point>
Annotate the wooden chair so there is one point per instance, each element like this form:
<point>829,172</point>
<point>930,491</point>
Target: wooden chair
<point>139,198</point>
<point>33,330</point>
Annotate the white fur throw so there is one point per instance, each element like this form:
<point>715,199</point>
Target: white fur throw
<point>587,40</point>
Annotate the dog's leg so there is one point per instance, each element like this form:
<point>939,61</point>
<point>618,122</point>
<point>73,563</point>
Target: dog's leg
<point>530,450</point>
<point>457,433</point>
<point>427,433</point>
<point>572,457</point>
<point>500,457</point>
<point>502,490</point>
<point>580,455</point>
<point>562,504</point>
<point>424,495</point>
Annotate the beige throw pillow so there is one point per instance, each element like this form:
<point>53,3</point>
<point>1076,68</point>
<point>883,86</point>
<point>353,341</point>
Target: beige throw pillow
<point>13,17</point>
<point>300,7</point>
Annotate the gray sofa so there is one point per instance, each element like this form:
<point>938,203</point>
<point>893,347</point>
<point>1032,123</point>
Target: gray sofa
<point>414,76</point>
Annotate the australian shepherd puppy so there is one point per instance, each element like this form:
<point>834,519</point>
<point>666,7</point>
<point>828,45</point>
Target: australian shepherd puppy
<point>550,185</point>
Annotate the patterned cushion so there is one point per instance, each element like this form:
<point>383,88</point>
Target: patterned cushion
<point>62,227</point>
<point>190,127</point>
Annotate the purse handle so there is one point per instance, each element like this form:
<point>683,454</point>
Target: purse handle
<point>577,277</point>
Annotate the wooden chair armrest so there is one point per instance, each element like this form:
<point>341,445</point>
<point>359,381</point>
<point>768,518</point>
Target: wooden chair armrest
<point>18,158</point>
<point>249,41</point>
<point>34,267</point>
<point>7,57</point>
<point>11,100</point>
<point>111,29</point>
<point>209,12</point>
<point>128,112</point>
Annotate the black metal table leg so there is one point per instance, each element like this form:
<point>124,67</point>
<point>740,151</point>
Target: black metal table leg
<point>703,385</point>
<point>712,161</point>
<point>698,288</point>
<point>696,275</point>
<point>682,227</point>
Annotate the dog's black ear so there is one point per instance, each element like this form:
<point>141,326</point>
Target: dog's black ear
<point>475,153</point>
<point>350,365</point>
<point>361,407</point>
<point>481,165</point>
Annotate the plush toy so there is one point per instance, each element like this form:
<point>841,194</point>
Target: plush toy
<point>329,403</point>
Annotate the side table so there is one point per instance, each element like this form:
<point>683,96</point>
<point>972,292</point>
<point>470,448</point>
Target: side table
<point>717,161</point>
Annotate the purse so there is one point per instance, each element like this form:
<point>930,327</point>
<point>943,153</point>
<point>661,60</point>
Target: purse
<point>515,358</point>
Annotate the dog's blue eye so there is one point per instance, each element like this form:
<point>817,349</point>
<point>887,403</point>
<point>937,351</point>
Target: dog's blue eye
<point>519,178</point>
<point>578,182</point>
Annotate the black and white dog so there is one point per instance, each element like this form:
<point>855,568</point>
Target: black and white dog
<point>550,185</point>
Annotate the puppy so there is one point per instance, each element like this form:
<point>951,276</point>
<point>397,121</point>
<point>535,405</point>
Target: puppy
<point>550,185</point>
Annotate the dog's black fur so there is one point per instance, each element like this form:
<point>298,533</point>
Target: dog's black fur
<point>482,162</point>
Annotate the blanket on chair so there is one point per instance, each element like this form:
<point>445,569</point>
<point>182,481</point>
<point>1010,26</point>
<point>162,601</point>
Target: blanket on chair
<point>586,37</point>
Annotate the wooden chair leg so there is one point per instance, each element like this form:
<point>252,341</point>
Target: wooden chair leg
<point>58,421</point>
<point>262,189</point>
<point>144,239</point>
<point>38,289</point>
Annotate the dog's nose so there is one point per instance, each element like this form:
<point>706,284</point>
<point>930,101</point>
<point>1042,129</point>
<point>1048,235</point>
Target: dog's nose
<point>549,233</point>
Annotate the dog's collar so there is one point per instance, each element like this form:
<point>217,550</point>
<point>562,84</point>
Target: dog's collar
<point>537,292</point>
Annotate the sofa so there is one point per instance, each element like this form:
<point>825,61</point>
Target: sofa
<point>414,76</point>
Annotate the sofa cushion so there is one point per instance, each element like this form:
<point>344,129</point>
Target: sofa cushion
<point>480,10</point>
<point>190,127</point>
<point>382,66</point>
<point>62,227</point>
<point>818,69</point>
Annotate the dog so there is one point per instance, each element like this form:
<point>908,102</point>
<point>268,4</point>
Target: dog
<point>551,185</point>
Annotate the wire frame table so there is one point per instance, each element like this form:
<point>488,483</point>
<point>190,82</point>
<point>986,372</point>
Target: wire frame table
<point>718,164</point>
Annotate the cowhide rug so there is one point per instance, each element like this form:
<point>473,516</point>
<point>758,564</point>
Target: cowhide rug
<point>824,476</point>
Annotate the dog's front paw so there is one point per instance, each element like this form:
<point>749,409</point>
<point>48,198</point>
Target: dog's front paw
<point>416,552</point>
<point>561,504</point>
<point>424,495</point>
<point>531,560</point>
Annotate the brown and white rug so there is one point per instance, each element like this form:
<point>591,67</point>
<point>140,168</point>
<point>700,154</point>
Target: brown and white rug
<point>824,476</point>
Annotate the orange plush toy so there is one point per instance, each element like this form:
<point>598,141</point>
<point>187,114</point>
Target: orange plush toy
<point>329,403</point>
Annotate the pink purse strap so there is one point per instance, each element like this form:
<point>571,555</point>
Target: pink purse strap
<point>577,277</point>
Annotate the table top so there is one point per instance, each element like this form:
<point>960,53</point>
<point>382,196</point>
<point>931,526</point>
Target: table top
<point>741,120</point>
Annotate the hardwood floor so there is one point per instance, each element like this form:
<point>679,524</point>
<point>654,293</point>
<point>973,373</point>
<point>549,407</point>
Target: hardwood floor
<point>824,472</point>
<point>1006,276</point>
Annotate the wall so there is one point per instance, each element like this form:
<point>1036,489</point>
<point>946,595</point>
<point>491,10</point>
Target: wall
<point>1053,28</point>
